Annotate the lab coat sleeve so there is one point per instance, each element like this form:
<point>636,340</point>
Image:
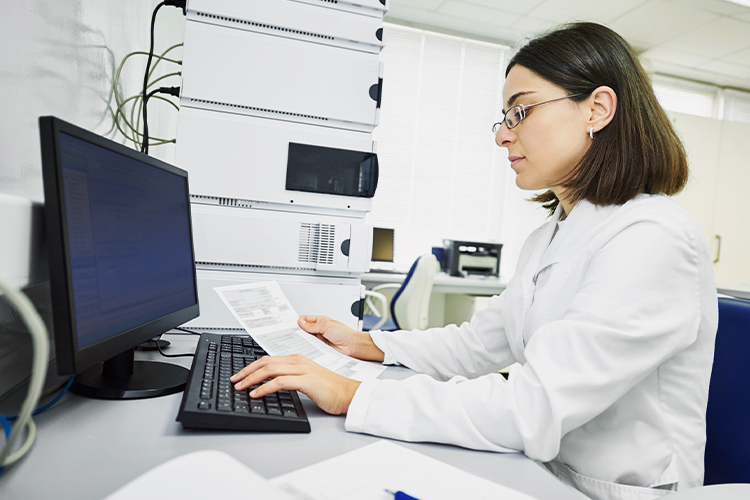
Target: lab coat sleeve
<point>638,304</point>
<point>472,349</point>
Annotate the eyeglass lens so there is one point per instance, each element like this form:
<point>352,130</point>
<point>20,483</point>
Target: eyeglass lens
<point>512,118</point>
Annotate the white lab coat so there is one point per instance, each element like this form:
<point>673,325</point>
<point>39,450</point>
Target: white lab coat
<point>612,323</point>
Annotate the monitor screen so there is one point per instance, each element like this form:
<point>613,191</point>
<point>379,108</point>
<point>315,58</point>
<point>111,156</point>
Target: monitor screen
<point>120,241</point>
<point>382,245</point>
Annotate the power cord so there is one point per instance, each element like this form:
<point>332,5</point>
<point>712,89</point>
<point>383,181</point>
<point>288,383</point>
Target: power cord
<point>174,3</point>
<point>187,355</point>
<point>186,331</point>
<point>175,91</point>
<point>6,428</point>
<point>40,343</point>
<point>6,421</point>
<point>65,386</point>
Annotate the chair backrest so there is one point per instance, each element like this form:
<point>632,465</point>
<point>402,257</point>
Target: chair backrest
<point>411,304</point>
<point>727,458</point>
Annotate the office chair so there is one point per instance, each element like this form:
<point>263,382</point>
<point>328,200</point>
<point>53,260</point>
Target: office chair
<point>410,305</point>
<point>727,458</point>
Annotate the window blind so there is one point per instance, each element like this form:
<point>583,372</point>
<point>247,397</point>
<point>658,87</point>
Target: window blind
<point>684,96</point>
<point>441,174</point>
<point>737,106</point>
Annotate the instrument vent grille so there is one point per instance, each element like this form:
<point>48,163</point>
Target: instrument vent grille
<point>316,243</point>
<point>266,26</point>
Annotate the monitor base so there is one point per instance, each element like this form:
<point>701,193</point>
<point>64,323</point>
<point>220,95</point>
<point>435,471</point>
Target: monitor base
<point>149,379</point>
<point>151,345</point>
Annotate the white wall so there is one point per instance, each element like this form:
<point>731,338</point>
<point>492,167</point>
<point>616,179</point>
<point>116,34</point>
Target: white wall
<point>59,58</point>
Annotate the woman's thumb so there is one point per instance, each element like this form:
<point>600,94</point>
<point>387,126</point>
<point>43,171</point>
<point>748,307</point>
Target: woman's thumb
<point>310,323</point>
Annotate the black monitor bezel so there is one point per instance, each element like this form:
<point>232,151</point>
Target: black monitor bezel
<point>70,359</point>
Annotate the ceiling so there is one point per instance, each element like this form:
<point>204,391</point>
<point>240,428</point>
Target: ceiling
<point>703,40</point>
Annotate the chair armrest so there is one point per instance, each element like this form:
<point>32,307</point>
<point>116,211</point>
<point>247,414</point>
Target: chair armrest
<point>369,294</point>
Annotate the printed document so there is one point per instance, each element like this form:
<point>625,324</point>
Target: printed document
<point>266,314</point>
<point>365,474</point>
<point>362,474</point>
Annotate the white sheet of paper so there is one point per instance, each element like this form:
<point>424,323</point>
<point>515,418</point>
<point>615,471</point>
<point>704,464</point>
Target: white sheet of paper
<point>265,313</point>
<point>198,476</point>
<point>365,474</point>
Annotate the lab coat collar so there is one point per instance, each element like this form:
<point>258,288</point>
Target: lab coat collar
<point>533,266</point>
<point>571,238</point>
<point>584,221</point>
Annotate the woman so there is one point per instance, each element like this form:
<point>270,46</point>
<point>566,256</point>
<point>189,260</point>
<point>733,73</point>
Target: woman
<point>611,314</point>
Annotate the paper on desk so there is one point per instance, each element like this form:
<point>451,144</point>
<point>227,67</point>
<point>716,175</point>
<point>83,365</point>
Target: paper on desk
<point>265,313</point>
<point>200,475</point>
<point>365,474</point>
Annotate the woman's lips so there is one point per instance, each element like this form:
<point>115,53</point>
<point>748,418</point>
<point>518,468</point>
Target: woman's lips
<point>514,160</point>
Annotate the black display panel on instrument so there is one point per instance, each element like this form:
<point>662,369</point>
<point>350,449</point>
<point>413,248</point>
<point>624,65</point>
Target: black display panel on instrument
<point>318,169</point>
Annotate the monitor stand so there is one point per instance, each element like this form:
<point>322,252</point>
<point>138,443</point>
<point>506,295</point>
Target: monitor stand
<point>122,377</point>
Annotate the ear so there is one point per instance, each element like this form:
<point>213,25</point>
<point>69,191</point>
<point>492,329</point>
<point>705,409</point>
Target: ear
<point>600,109</point>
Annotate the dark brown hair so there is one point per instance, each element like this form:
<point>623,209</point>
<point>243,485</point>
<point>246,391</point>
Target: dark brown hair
<point>639,150</point>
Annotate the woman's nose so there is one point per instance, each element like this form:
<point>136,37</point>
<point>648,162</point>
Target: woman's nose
<point>504,137</point>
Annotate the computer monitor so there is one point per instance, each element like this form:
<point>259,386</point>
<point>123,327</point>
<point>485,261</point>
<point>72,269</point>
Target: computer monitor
<point>121,260</point>
<point>382,244</point>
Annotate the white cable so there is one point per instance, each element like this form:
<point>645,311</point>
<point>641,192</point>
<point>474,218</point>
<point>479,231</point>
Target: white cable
<point>39,371</point>
<point>26,444</point>
<point>119,111</point>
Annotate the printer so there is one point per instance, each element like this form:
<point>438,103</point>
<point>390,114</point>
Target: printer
<point>469,258</point>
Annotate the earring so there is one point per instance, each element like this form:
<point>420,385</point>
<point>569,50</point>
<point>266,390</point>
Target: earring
<point>591,132</point>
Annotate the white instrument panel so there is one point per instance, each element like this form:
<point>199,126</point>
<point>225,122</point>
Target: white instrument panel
<point>257,74</point>
<point>245,157</point>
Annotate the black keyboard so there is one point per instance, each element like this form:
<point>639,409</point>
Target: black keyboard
<point>211,402</point>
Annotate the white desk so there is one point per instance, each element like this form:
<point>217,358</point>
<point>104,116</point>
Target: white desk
<point>453,299</point>
<point>88,448</point>
<point>443,283</point>
<point>737,291</point>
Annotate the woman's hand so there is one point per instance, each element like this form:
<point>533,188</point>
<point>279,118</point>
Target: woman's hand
<point>341,337</point>
<point>331,391</point>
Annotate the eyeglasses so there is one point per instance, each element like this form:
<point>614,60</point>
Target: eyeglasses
<point>517,113</point>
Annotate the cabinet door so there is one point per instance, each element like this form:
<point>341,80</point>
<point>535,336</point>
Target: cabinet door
<point>702,140</point>
<point>731,219</point>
